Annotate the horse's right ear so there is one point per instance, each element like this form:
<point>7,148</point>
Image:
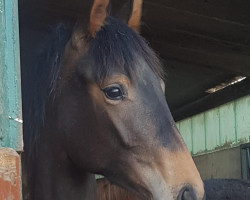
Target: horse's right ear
<point>98,16</point>
<point>96,20</point>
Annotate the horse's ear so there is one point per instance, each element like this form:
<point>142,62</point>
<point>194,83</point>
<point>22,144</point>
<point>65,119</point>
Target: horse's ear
<point>134,21</point>
<point>78,35</point>
<point>98,15</point>
<point>86,26</point>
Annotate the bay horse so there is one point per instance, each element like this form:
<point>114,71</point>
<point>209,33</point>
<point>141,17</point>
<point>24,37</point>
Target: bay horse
<point>216,189</point>
<point>93,104</point>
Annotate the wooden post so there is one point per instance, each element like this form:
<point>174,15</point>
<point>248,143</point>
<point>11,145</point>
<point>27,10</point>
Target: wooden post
<point>10,179</point>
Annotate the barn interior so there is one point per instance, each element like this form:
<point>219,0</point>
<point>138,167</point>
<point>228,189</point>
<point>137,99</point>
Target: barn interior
<point>204,45</point>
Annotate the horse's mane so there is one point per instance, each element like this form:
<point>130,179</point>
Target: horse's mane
<point>115,45</point>
<point>38,81</point>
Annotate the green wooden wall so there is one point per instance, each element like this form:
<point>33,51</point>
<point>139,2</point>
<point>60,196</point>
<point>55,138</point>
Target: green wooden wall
<point>219,128</point>
<point>10,87</point>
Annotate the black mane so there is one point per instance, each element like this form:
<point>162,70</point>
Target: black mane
<point>39,74</point>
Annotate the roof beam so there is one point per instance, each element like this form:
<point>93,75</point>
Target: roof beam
<point>213,100</point>
<point>235,62</point>
<point>159,17</point>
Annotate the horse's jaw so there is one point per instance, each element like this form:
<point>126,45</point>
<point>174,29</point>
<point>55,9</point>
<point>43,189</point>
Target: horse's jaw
<point>164,179</point>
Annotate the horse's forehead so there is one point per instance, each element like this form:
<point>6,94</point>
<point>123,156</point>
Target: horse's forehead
<point>138,74</point>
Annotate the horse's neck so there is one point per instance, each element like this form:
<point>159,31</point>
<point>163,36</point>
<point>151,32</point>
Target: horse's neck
<point>55,177</point>
<point>62,186</point>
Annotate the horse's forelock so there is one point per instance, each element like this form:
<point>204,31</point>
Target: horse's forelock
<point>117,47</point>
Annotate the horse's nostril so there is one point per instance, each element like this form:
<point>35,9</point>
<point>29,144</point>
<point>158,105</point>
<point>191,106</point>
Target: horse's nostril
<point>187,193</point>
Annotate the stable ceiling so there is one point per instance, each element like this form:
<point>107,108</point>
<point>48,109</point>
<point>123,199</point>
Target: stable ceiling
<point>202,43</point>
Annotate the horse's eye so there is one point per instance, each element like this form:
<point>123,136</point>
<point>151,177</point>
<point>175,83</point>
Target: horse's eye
<point>113,92</point>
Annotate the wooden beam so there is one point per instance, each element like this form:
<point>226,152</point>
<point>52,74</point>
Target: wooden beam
<point>191,39</point>
<point>186,82</point>
<point>159,17</point>
<point>230,10</point>
<point>226,59</point>
<point>213,100</point>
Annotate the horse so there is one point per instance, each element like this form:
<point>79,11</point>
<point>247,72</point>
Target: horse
<point>216,189</point>
<point>93,103</point>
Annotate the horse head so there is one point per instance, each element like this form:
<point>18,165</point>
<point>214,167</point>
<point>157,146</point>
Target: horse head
<point>111,114</point>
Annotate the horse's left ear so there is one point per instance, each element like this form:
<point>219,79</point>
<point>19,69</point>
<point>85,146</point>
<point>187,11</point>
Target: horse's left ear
<point>98,15</point>
<point>134,21</point>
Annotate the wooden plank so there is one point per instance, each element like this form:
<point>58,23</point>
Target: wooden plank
<point>184,86</point>
<point>224,127</point>
<point>194,23</point>
<point>212,127</point>
<point>198,129</point>
<point>230,10</point>
<point>10,87</point>
<point>227,124</point>
<point>10,175</point>
<point>197,41</point>
<point>186,133</point>
<point>242,110</point>
<point>201,55</point>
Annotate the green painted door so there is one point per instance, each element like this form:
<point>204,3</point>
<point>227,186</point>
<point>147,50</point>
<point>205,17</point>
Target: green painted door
<point>10,86</point>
